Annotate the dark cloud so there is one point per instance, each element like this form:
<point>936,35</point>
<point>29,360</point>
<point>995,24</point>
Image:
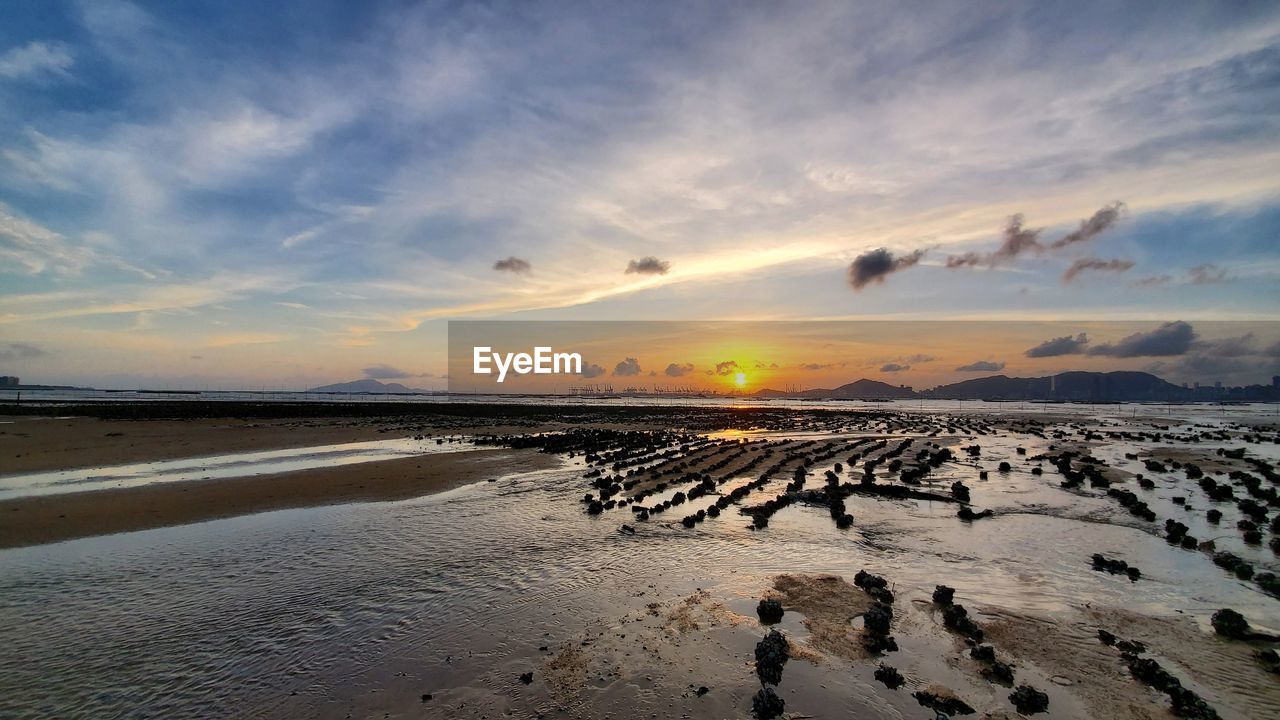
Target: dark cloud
<point>20,351</point>
<point>728,367</point>
<point>893,367</point>
<point>197,357</point>
<point>627,367</point>
<point>1238,346</point>
<point>1065,345</point>
<point>1020,239</point>
<point>766,366</point>
<point>1094,226</point>
<point>1154,281</point>
<point>674,370</point>
<point>648,266</point>
<point>591,370</point>
<point>1239,359</point>
<point>982,366</point>
<point>1170,339</point>
<point>920,358</point>
<point>815,366</point>
<point>876,265</point>
<point>386,372</point>
<point>513,264</point>
<point>1206,274</point>
<point>1093,263</point>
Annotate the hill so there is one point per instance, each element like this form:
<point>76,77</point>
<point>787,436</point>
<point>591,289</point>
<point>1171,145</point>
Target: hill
<point>1121,386</point>
<point>372,387</point>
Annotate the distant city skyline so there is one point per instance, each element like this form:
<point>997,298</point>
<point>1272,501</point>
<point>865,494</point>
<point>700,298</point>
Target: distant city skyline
<point>242,195</point>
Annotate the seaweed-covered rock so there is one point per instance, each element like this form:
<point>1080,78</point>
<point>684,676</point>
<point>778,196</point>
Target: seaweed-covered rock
<point>957,618</point>
<point>969,515</point>
<point>867,581</point>
<point>766,704</point>
<point>1187,704</point>
<point>1231,624</point>
<point>771,656</point>
<point>890,676</point>
<point>877,619</point>
<point>769,610</point>
<point>943,595</point>
<point>943,700</point>
<point>877,644</point>
<point>1029,700</point>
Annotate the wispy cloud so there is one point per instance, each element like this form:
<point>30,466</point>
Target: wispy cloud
<point>36,61</point>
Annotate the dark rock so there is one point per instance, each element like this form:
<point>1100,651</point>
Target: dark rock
<point>890,676</point>
<point>1231,624</point>
<point>1029,700</point>
<point>941,700</point>
<point>943,595</point>
<point>526,678</point>
<point>769,610</point>
<point>766,704</point>
<point>771,656</point>
<point>877,619</point>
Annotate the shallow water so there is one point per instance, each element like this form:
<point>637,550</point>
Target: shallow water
<point>230,465</point>
<point>360,609</point>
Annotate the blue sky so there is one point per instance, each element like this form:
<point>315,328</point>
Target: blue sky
<point>234,193</point>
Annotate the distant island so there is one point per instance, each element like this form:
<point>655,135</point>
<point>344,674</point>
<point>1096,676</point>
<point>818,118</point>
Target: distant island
<point>371,387</point>
<point>1079,386</point>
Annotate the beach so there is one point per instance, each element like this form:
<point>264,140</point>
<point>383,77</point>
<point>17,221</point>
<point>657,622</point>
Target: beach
<point>482,560</point>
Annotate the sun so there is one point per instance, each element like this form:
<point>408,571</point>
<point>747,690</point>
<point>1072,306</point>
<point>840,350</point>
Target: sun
<point>740,379</point>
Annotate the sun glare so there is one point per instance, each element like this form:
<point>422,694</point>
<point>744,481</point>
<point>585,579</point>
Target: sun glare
<point>740,379</point>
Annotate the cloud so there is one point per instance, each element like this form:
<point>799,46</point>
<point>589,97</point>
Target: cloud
<point>761,365</point>
<point>815,366</point>
<point>20,351</point>
<point>387,372</point>
<point>648,266</point>
<point>1065,345</point>
<point>36,61</point>
<point>1098,264</point>
<point>919,358</point>
<point>982,366</point>
<point>728,367</point>
<point>1019,239</point>
<point>1206,274</point>
<point>1203,274</point>
<point>1170,339</point>
<point>1238,346</point>
<point>513,264</point>
<point>591,370</point>
<point>627,367</point>
<point>876,265</point>
<point>1094,226</point>
<point>894,367</point>
<point>197,357</point>
<point>674,370</point>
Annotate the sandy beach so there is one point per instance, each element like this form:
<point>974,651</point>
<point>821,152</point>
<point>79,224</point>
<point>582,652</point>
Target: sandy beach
<point>595,558</point>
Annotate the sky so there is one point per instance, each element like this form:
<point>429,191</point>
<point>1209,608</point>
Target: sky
<point>234,194</point>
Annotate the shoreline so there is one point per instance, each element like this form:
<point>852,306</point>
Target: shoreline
<point>40,520</point>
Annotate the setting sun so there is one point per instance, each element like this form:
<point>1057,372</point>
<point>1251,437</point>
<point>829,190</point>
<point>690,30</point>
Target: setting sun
<point>740,379</point>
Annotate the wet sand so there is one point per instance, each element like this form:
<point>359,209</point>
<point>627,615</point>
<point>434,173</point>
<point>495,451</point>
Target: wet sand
<point>623,555</point>
<point>52,518</point>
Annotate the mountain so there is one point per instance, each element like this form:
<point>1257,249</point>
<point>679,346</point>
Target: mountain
<point>372,387</point>
<point>860,390</point>
<point>865,389</point>
<point>1094,386</point>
